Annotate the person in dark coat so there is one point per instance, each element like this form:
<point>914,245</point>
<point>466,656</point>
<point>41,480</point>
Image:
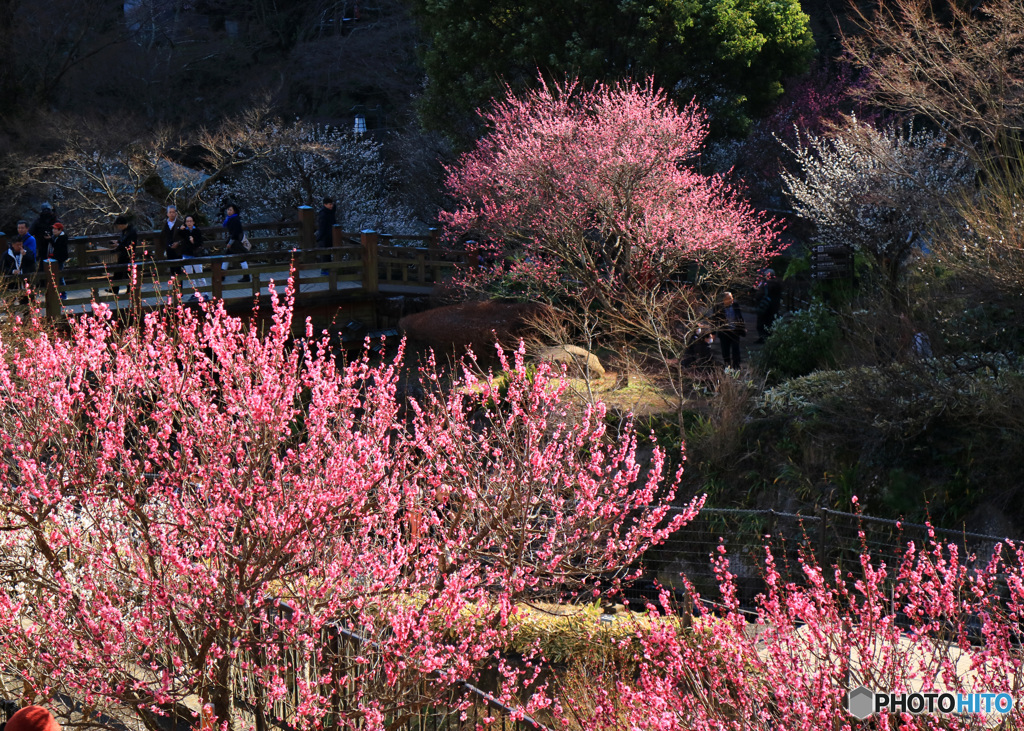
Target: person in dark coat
<point>168,237</point>
<point>730,326</point>
<point>233,225</point>
<point>191,246</point>
<point>17,265</point>
<point>768,298</point>
<point>58,248</point>
<point>325,219</point>
<point>42,228</point>
<point>126,247</point>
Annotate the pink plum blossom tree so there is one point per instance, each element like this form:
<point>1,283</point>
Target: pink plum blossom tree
<point>596,195</point>
<point>936,621</point>
<point>187,506</point>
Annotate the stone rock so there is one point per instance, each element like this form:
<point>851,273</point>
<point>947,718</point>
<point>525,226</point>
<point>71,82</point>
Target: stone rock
<point>581,363</point>
<point>475,325</point>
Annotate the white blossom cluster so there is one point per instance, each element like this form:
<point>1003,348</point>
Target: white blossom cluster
<point>309,162</point>
<point>876,189</point>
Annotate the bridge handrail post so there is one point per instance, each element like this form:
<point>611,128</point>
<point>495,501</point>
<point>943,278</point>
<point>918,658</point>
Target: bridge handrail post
<point>217,281</point>
<point>307,228</point>
<point>371,279</point>
<point>434,252</point>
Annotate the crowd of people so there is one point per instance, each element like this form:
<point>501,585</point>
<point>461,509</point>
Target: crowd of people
<point>179,238</point>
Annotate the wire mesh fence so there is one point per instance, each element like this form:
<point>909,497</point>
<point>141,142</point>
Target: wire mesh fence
<point>347,673</point>
<point>829,537</point>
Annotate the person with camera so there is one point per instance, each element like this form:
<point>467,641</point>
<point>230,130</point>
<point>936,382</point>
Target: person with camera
<point>56,251</point>
<point>41,229</point>
<point>126,248</point>
<point>17,266</point>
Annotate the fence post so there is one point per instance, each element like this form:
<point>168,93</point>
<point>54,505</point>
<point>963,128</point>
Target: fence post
<point>217,280</point>
<point>307,228</point>
<point>81,253</point>
<point>371,280</point>
<point>434,253</point>
<point>53,308</point>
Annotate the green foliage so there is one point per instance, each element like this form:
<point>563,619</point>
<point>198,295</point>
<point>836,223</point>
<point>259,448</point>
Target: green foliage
<point>732,55</point>
<point>984,327</point>
<point>801,342</point>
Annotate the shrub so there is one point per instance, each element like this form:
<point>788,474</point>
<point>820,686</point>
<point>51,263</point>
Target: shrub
<point>801,342</point>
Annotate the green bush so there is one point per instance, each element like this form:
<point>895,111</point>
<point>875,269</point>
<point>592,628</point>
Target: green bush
<point>801,342</point>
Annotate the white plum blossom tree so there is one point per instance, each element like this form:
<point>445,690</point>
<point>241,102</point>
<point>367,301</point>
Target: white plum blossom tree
<point>874,189</point>
<point>309,162</point>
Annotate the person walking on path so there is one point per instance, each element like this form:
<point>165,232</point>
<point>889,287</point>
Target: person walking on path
<point>730,326</point>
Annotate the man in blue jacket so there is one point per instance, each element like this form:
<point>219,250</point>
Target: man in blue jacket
<point>27,239</point>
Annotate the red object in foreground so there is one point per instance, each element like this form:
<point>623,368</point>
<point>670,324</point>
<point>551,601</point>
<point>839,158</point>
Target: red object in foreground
<point>32,718</point>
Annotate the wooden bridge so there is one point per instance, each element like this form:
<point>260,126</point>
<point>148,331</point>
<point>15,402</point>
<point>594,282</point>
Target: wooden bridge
<point>354,273</point>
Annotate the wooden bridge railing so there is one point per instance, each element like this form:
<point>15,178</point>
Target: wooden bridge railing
<point>357,264</point>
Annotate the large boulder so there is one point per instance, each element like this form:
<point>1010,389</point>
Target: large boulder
<point>580,363</point>
<point>475,325</point>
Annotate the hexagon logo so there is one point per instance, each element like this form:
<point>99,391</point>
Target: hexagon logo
<point>860,702</point>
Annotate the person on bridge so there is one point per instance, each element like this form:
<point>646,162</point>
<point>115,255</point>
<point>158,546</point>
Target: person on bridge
<point>56,250</point>
<point>191,245</point>
<point>126,248</point>
<point>28,240</point>
<point>169,241</point>
<point>17,265</point>
<point>41,229</point>
<point>58,244</point>
<point>325,220</point>
<point>236,238</point>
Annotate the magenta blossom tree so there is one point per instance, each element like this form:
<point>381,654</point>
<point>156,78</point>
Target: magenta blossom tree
<point>186,508</point>
<point>935,622</point>
<point>596,195</point>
